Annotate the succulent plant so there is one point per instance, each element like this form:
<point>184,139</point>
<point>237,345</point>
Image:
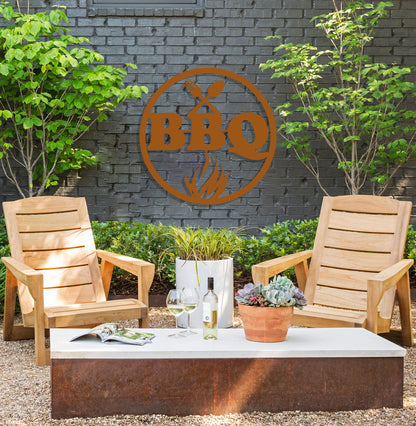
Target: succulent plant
<point>249,291</point>
<point>279,292</point>
<point>282,292</point>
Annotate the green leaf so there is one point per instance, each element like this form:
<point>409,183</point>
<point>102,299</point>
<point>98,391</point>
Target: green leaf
<point>34,28</point>
<point>4,69</point>
<point>27,123</point>
<point>19,54</point>
<point>8,13</point>
<point>77,84</point>
<point>6,114</point>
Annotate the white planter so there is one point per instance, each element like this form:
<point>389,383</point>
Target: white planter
<point>222,271</point>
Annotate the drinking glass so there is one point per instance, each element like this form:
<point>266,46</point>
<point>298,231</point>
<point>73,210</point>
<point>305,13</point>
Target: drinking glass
<point>175,307</point>
<point>189,298</point>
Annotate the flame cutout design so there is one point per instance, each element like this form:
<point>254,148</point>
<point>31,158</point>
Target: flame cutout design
<point>213,187</point>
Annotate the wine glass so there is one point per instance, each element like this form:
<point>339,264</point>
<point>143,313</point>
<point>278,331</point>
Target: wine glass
<point>189,298</point>
<point>175,307</point>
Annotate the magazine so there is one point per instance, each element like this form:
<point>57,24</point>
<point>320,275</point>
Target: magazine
<point>111,331</point>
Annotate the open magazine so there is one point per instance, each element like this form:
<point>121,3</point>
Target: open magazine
<point>111,331</point>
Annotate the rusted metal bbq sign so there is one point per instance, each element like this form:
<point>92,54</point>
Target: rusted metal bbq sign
<point>194,141</point>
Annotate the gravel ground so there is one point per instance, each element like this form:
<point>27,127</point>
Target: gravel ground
<point>25,395</point>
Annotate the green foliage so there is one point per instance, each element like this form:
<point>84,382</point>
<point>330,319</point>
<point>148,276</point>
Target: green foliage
<point>204,244</point>
<point>277,240</point>
<point>4,251</point>
<point>139,240</point>
<point>410,247</point>
<point>363,111</point>
<point>51,92</point>
<point>149,241</point>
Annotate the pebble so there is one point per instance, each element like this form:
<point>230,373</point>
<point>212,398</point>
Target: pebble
<point>25,394</point>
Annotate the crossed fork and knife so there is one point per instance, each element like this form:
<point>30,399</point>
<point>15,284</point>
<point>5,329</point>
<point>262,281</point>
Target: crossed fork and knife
<point>213,90</point>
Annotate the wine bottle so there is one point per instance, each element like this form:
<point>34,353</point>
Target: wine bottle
<point>209,312</point>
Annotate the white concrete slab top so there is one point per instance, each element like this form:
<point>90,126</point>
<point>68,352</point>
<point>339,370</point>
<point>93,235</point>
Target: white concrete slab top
<point>231,343</point>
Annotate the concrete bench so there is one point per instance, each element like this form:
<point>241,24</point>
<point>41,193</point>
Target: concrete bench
<point>313,370</point>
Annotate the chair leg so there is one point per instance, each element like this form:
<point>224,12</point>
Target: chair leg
<point>144,322</point>
<point>144,282</point>
<point>42,354</point>
<point>374,294</point>
<point>9,305</point>
<point>403,295</point>
<point>12,331</point>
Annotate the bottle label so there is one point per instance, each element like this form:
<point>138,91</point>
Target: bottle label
<point>206,312</point>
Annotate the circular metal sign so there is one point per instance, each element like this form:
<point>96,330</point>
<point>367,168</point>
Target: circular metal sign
<point>197,142</point>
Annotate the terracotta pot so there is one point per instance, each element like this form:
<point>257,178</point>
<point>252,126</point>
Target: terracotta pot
<point>265,324</point>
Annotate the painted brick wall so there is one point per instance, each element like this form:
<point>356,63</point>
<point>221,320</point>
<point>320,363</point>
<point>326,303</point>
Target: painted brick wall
<point>225,34</point>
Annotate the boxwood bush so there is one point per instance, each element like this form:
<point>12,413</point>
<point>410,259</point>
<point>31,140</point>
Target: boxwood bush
<point>276,240</point>
<point>151,242</point>
<point>140,240</point>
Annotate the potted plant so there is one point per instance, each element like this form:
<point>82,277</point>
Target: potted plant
<point>266,310</point>
<point>202,253</point>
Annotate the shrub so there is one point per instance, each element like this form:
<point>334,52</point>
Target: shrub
<point>53,89</point>
<point>143,241</point>
<point>277,240</point>
<point>4,251</point>
<point>410,247</point>
<point>149,242</point>
<point>343,101</point>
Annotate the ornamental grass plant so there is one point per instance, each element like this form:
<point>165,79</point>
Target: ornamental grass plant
<point>205,244</point>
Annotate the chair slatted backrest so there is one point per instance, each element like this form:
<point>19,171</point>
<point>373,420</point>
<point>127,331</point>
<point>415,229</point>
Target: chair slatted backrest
<point>357,236</point>
<point>53,235</point>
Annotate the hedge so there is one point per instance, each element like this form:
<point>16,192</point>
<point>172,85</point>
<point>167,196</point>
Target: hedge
<point>151,242</point>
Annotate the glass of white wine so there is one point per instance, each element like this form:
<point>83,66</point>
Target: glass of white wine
<point>175,307</point>
<point>189,298</point>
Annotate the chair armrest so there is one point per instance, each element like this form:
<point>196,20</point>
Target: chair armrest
<point>25,274</point>
<point>144,271</point>
<point>18,271</point>
<point>379,284</point>
<point>389,277</point>
<point>264,270</point>
<point>129,264</point>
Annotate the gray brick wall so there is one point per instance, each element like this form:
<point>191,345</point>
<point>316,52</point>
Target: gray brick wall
<point>226,34</point>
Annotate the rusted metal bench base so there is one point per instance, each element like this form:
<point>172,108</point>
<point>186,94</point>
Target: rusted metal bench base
<point>101,387</point>
<point>314,369</point>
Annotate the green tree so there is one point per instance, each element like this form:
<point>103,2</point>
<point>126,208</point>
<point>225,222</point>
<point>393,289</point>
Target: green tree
<point>362,110</point>
<point>51,92</point>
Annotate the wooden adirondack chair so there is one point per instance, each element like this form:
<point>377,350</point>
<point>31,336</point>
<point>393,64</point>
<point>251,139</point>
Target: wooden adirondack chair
<point>356,266</point>
<point>54,268</point>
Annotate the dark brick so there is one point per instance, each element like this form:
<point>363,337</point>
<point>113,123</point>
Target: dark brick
<point>166,41</point>
<point>110,32</point>
<point>121,22</point>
